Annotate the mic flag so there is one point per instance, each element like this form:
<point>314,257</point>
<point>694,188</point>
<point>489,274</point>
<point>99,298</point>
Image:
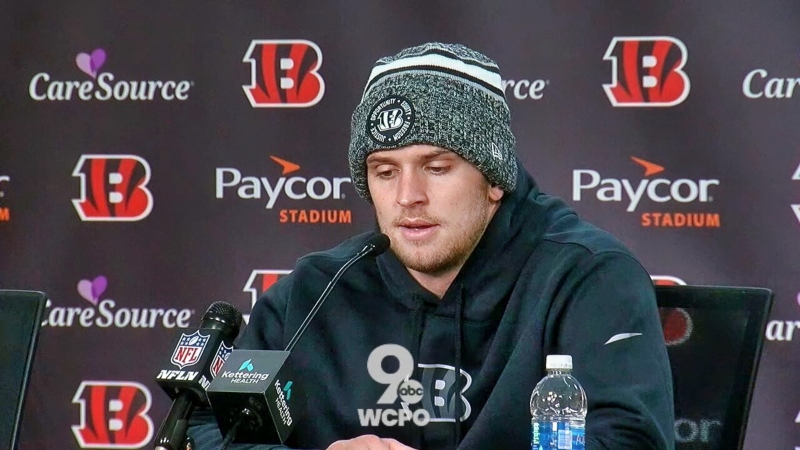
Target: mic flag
<point>252,397</point>
<point>196,359</point>
<point>255,387</point>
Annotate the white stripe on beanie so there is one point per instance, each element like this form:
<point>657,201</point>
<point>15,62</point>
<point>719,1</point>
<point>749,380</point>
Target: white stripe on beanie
<point>437,60</point>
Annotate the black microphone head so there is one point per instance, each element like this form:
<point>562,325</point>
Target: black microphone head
<point>222,316</point>
<point>379,243</point>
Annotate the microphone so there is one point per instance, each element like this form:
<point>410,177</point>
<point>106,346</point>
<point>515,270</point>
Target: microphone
<point>252,397</point>
<point>198,358</point>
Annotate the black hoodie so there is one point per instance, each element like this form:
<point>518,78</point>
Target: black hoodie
<point>540,281</point>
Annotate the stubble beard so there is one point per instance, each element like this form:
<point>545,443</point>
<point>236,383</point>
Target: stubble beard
<point>450,249</point>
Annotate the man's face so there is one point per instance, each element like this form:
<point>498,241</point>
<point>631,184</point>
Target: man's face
<point>433,204</point>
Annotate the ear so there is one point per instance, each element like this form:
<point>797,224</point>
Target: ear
<point>495,193</point>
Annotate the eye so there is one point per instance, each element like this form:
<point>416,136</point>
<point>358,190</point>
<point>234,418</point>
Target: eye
<point>438,169</point>
<point>383,171</point>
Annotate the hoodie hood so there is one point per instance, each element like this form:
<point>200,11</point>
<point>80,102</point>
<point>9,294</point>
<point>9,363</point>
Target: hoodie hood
<point>519,224</point>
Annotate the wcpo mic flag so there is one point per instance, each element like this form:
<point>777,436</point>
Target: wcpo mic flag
<point>196,359</point>
<point>257,398</point>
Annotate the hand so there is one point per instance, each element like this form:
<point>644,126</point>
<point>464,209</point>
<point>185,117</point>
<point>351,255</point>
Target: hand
<point>368,442</point>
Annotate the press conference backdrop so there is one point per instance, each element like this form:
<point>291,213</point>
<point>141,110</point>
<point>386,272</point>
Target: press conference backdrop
<point>155,158</point>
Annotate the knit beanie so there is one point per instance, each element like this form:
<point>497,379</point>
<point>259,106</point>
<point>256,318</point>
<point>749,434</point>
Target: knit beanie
<point>445,95</point>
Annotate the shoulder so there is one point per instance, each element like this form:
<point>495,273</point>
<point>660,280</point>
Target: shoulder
<point>333,257</point>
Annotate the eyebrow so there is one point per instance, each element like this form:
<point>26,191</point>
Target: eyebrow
<point>379,159</point>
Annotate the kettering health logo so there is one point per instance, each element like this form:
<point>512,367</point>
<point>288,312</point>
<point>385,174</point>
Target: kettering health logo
<point>247,374</point>
<point>103,86</point>
<point>105,313</point>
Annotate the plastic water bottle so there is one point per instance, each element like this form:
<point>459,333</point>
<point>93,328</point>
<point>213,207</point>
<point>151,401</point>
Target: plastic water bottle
<point>558,408</point>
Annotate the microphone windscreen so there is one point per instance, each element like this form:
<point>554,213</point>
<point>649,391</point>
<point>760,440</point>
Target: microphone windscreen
<point>379,242</point>
<point>222,316</point>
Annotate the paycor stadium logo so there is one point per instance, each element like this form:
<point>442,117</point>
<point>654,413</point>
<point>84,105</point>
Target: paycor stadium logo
<point>287,192</point>
<point>648,191</point>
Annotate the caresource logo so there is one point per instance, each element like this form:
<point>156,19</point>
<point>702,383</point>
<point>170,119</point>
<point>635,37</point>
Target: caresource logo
<point>258,283</point>
<point>105,313</point>
<point>113,415</point>
<point>5,212</point>
<point>525,89</point>
<point>102,85</point>
<point>796,206</point>
<point>647,71</point>
<point>113,188</point>
<point>758,83</point>
<point>782,330</point>
<point>283,73</point>
<point>230,182</point>
<point>659,190</point>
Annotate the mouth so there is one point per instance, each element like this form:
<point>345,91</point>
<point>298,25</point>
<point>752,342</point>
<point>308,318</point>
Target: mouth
<point>417,229</point>
<point>416,224</point>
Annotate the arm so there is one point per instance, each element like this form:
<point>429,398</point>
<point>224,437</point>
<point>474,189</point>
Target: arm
<point>204,431</point>
<point>628,382</point>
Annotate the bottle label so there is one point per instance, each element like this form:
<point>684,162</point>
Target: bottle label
<point>546,435</point>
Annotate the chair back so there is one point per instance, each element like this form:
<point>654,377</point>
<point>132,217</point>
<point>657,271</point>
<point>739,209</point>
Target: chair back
<point>21,314</point>
<point>714,336</point>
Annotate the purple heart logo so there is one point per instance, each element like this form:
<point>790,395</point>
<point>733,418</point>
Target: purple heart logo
<point>92,290</point>
<point>91,63</point>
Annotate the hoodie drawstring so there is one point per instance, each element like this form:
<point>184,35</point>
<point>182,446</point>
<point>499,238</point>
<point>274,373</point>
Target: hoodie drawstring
<point>459,310</point>
<point>416,336</point>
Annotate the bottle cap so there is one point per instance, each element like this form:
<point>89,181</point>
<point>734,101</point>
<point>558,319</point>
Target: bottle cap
<point>558,362</point>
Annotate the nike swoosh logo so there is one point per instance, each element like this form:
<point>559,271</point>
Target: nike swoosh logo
<point>621,336</point>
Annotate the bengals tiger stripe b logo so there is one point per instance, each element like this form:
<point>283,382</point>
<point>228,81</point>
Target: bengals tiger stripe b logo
<point>283,73</point>
<point>257,285</point>
<point>113,415</point>
<point>113,188</point>
<point>647,71</point>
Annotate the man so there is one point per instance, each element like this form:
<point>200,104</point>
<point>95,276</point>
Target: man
<point>484,278</point>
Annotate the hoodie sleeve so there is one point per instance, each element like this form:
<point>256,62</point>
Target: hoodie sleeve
<point>264,330</point>
<point>608,321</point>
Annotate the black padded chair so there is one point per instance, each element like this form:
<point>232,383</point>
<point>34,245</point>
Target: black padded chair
<point>21,314</point>
<point>714,336</point>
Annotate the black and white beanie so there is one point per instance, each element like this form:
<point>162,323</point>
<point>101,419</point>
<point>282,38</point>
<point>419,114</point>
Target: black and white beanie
<point>445,95</point>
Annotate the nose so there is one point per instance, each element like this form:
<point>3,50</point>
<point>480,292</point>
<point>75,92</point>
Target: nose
<point>411,188</point>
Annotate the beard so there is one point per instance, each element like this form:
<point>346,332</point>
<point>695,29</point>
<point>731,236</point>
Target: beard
<point>453,243</point>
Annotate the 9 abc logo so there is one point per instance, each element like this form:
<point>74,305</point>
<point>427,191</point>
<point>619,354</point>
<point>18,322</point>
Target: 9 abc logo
<point>398,384</point>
